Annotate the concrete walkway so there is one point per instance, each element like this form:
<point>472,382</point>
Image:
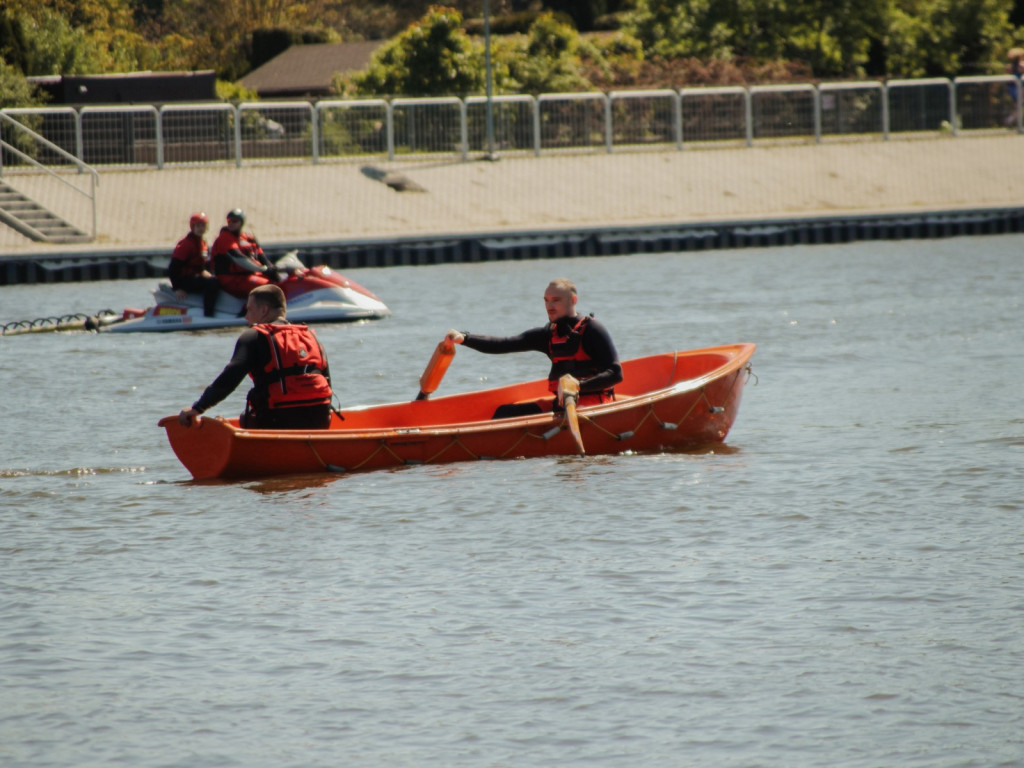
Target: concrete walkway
<point>340,201</point>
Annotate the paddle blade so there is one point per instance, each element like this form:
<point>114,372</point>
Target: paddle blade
<point>443,355</point>
<point>569,392</point>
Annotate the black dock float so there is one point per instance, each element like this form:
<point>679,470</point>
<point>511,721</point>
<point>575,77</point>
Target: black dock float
<point>20,269</point>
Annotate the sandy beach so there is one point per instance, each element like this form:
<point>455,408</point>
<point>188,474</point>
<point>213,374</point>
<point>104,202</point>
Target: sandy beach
<point>338,201</point>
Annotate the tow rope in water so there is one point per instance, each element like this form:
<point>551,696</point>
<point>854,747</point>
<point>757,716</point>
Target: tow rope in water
<point>73,322</point>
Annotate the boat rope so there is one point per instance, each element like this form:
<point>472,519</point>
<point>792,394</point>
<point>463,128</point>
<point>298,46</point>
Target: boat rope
<point>316,454</point>
<point>526,433</point>
<point>649,413</point>
<point>77,321</point>
<point>454,441</point>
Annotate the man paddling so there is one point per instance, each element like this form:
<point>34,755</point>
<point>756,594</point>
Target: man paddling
<point>576,344</point>
<point>291,379</point>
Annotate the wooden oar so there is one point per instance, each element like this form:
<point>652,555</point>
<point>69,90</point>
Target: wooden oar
<point>570,389</point>
<point>436,368</point>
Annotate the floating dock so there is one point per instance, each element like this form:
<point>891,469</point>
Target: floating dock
<point>515,246</point>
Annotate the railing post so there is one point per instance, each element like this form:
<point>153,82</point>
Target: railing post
<point>677,117</point>
<point>238,135</point>
<point>79,140</point>
<point>952,108</point>
<point>817,115</point>
<point>314,128</point>
<point>536,127</point>
<point>608,138</point>
<point>885,111</point>
<point>391,132</point>
<point>748,115</point>
<point>160,138</point>
<point>464,130</point>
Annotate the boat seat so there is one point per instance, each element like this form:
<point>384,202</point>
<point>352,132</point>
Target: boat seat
<point>226,303</point>
<point>164,294</point>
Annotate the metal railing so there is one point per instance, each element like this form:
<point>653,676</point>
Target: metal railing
<point>452,128</point>
<point>37,144</point>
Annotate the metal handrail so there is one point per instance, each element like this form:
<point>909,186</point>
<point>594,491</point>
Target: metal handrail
<point>94,176</point>
<point>600,116</point>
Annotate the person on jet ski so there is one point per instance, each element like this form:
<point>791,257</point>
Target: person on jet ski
<point>190,265</point>
<point>238,260</point>
<point>290,374</point>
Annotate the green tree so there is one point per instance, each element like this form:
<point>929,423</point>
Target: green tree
<point>905,38</point>
<point>15,90</point>
<point>432,57</point>
<point>549,58</point>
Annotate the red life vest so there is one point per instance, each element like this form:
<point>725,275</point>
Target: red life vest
<point>192,252</point>
<point>241,242</point>
<point>567,354</point>
<point>295,374</point>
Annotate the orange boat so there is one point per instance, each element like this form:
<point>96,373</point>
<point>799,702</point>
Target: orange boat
<point>671,401</point>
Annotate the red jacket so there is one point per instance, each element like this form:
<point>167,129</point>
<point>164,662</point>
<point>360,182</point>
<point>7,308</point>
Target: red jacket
<point>191,256</point>
<point>233,277</point>
<point>229,244</point>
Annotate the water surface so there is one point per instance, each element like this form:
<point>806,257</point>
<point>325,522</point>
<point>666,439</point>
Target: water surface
<point>838,586</point>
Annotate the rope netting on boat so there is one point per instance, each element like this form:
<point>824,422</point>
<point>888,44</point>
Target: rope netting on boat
<point>516,437</point>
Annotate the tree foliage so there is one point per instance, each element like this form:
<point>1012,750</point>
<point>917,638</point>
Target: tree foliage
<point>432,57</point>
<point>837,38</point>
<point>15,90</point>
<point>549,58</point>
<point>431,53</point>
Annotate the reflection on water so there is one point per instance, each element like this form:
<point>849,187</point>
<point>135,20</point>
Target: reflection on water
<point>273,485</point>
<point>847,564</point>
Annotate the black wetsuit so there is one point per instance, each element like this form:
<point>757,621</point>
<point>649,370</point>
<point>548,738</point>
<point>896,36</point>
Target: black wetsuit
<point>187,262</point>
<point>597,375</point>
<point>252,356</point>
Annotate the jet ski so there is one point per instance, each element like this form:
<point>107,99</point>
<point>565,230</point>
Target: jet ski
<point>314,294</point>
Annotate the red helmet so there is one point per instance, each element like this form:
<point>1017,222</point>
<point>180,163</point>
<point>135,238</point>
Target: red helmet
<point>196,218</point>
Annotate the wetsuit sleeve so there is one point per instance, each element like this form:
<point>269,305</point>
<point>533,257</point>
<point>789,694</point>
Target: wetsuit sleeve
<point>174,270</point>
<point>244,360</point>
<point>598,344</point>
<point>534,340</point>
<point>244,263</point>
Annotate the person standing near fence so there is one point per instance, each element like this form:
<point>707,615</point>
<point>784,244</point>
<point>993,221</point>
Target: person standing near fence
<point>190,265</point>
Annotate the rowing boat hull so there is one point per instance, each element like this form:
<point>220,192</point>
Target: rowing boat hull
<point>672,401</point>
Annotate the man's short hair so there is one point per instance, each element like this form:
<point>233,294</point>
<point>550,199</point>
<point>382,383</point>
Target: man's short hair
<point>564,284</point>
<point>270,296</point>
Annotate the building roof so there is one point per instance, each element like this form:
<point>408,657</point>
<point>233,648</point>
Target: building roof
<point>306,70</point>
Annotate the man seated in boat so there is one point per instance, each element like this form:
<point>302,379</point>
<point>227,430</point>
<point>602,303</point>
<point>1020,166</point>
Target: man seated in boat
<point>576,344</point>
<point>190,265</point>
<point>291,378</point>
<point>238,259</point>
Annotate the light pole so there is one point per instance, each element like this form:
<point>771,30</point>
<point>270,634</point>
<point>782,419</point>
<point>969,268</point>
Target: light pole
<point>491,154</point>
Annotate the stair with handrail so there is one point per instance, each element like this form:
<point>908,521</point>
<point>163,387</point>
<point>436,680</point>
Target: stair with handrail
<point>25,215</point>
<point>34,221</point>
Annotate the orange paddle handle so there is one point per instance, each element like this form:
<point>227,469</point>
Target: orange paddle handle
<point>437,367</point>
